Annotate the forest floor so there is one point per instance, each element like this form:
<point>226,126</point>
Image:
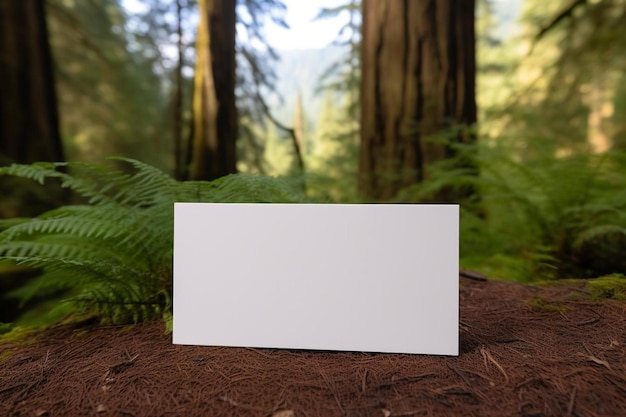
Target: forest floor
<point>524,351</point>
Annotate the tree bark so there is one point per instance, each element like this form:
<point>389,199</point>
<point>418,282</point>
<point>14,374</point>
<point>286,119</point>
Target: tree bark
<point>177,108</point>
<point>29,121</point>
<point>300,142</point>
<point>214,110</point>
<point>418,82</point>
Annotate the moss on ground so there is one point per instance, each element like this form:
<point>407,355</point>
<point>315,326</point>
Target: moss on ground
<point>609,287</point>
<point>541,305</point>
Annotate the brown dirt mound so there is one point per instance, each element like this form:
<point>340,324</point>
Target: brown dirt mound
<point>525,351</point>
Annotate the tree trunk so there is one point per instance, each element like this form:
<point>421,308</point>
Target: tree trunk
<point>177,108</point>
<point>600,112</point>
<point>29,123</point>
<point>300,141</point>
<point>214,111</point>
<point>418,83</point>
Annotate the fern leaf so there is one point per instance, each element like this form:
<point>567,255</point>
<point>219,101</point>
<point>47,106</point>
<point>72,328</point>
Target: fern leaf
<point>37,172</point>
<point>114,253</point>
<point>598,232</point>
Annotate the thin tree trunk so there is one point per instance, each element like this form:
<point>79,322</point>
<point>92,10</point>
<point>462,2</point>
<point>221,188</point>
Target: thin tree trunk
<point>418,71</point>
<point>177,133</point>
<point>301,143</point>
<point>290,131</point>
<point>29,122</point>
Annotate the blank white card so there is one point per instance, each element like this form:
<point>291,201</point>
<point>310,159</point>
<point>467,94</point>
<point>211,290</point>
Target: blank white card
<point>363,277</point>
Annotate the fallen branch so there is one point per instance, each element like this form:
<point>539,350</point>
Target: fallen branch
<point>472,275</point>
<point>118,367</point>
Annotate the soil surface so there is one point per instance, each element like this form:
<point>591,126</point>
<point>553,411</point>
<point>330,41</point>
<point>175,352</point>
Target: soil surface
<point>525,351</point>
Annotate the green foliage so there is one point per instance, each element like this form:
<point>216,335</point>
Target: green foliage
<point>540,305</point>
<point>611,286</point>
<point>111,254</point>
<point>111,82</point>
<point>546,216</point>
<point>16,335</point>
<point>333,160</point>
<point>344,75</point>
<point>551,99</point>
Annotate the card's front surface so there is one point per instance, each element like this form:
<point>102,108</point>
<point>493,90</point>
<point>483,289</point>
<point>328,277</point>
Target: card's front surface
<point>377,278</point>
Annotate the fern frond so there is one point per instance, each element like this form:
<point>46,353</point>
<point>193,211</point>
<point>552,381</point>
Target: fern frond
<point>195,191</point>
<point>6,223</point>
<point>92,181</point>
<point>604,231</point>
<point>38,171</point>
<point>149,183</point>
<point>75,226</point>
<point>245,188</point>
<point>113,255</point>
<point>109,281</point>
<point>68,247</point>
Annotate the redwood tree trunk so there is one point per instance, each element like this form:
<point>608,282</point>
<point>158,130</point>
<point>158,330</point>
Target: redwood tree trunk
<point>214,111</point>
<point>418,82</point>
<point>29,123</point>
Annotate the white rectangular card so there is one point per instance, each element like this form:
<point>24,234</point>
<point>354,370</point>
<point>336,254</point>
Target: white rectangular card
<point>362,277</point>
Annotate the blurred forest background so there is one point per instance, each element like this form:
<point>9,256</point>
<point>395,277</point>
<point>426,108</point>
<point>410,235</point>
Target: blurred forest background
<point>515,109</point>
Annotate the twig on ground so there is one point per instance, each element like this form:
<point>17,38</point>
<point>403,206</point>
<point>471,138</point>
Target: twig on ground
<point>364,381</point>
<point>413,378</point>
<point>596,360</point>
<point>45,362</point>
<point>461,374</point>
<point>11,388</point>
<point>487,355</point>
<point>570,406</point>
<point>586,322</point>
<point>236,404</point>
<point>407,413</point>
<point>331,387</point>
<point>118,367</point>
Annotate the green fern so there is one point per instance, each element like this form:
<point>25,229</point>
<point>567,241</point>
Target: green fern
<point>559,216</point>
<point>111,255</point>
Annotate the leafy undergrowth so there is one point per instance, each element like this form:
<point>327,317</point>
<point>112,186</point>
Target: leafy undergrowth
<point>110,254</point>
<point>610,287</point>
